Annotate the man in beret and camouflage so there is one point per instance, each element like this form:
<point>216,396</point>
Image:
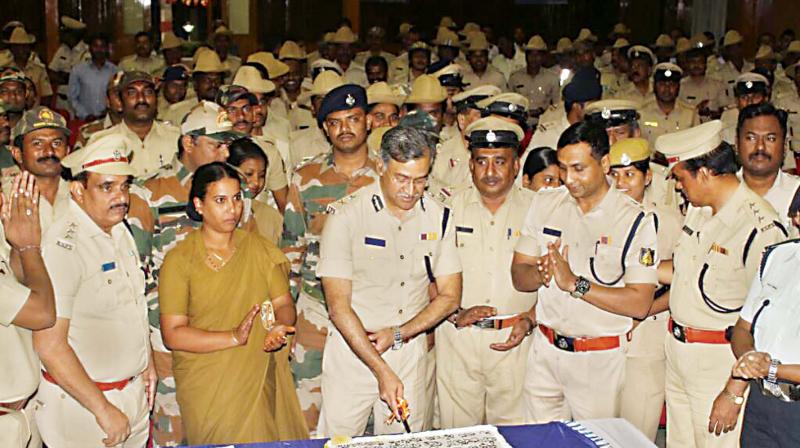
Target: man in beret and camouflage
<point>152,141</point>
<point>158,222</point>
<point>324,179</point>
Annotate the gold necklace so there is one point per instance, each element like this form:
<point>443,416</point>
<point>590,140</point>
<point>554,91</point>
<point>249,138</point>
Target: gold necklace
<point>216,262</point>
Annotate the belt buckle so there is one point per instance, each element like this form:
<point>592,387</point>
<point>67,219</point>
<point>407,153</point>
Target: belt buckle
<point>677,332</point>
<point>487,324</point>
<point>564,343</point>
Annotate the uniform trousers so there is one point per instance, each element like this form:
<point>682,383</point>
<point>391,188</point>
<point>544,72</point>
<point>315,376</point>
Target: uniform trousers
<point>18,428</point>
<point>645,369</point>
<point>350,391</point>
<point>562,385</point>
<point>64,423</point>
<point>478,385</point>
<point>696,374</point>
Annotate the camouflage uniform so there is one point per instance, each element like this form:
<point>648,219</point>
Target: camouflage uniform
<point>314,185</point>
<point>158,221</point>
<point>7,164</point>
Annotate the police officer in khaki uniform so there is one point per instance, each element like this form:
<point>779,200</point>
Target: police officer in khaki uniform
<point>536,83</point>
<point>28,304</point>
<point>385,105</point>
<point>715,260</point>
<point>750,88</point>
<point>98,378</point>
<point>733,63</point>
<point>428,95</point>
<point>381,249</point>
<point>482,350</point>
<point>595,251</point>
<point>640,87</point>
<point>151,141</point>
<point>450,172</point>
<point>664,112</point>
<point>697,88</point>
<point>480,72</point>
<point>41,142</point>
<point>643,392</point>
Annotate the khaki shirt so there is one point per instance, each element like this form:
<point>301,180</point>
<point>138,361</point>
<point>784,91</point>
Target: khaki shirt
<point>791,104</point>
<point>355,74</point>
<point>48,213</point>
<point>65,57</point>
<point>153,65</point>
<point>661,191</point>
<point>668,227</point>
<point>277,130</point>
<point>306,144</point>
<point>450,172</point>
<point>729,118</point>
<point>694,93</point>
<point>19,365</point>
<point>390,261</point>
<point>632,93</point>
<point>655,123</point>
<point>596,243</point>
<point>176,112</point>
<point>541,90</point>
<point>276,171</point>
<point>727,74</point>
<point>507,66</point>
<point>158,148</point>
<point>99,286</point>
<point>486,244</point>
<point>491,77</point>
<point>546,134</point>
<point>231,64</point>
<point>362,56</point>
<point>717,257</point>
<point>38,74</point>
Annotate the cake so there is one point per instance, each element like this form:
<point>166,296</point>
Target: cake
<point>470,437</point>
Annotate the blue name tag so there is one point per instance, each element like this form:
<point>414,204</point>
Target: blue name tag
<point>549,231</point>
<point>109,266</point>
<point>370,241</point>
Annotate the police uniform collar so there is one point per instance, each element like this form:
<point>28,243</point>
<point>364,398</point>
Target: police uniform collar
<point>607,203</point>
<point>729,214</point>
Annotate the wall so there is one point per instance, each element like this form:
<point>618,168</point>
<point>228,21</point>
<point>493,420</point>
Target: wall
<point>752,17</point>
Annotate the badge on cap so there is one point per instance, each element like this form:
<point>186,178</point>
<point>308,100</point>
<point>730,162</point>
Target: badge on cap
<point>512,107</point>
<point>625,159</point>
<point>749,84</point>
<point>350,100</point>
<point>606,113</point>
<point>491,136</point>
<point>668,73</point>
<point>117,154</point>
<point>46,115</point>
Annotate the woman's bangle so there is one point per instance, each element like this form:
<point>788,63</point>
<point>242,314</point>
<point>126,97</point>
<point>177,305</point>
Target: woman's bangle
<point>236,342</point>
<point>24,249</point>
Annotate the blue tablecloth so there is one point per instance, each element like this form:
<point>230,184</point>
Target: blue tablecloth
<point>550,435</point>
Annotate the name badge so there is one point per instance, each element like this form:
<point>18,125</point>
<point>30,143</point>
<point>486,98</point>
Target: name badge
<point>110,266</point>
<point>464,229</point>
<point>552,232</point>
<point>372,241</point>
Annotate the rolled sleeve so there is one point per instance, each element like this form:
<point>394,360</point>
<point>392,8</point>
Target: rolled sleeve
<point>13,296</point>
<point>448,262</point>
<point>335,250</point>
<point>641,261</point>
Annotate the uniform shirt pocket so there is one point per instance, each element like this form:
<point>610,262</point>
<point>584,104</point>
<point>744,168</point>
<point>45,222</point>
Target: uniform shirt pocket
<point>723,282</point>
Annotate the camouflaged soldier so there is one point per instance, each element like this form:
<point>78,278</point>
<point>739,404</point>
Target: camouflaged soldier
<point>324,179</point>
<point>158,221</point>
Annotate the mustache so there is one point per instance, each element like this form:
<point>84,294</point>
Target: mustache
<point>122,206</point>
<point>53,159</point>
<point>241,122</point>
<point>489,179</point>
<point>760,153</point>
<point>142,105</point>
<point>346,134</point>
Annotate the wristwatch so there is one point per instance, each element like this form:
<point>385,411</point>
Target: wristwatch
<point>398,339</point>
<point>772,374</point>
<point>737,400</point>
<point>582,286</point>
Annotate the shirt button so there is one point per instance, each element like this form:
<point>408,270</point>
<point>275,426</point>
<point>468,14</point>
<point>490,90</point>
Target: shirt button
<point>400,228</point>
<point>402,257</point>
<point>492,223</point>
<point>402,283</point>
<point>109,281</point>
<point>400,312</point>
<point>487,300</point>
<point>491,249</point>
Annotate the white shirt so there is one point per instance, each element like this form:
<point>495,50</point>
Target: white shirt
<point>780,197</point>
<point>774,293</point>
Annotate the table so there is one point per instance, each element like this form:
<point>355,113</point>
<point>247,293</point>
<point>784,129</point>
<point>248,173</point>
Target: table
<point>615,432</point>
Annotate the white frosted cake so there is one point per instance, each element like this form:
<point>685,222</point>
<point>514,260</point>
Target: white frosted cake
<point>471,437</point>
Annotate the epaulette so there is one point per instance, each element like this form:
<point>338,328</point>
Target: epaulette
<point>335,205</point>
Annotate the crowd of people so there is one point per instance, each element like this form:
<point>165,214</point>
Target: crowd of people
<point>483,229</point>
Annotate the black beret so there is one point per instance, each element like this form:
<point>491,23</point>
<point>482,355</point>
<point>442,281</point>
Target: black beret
<point>346,97</point>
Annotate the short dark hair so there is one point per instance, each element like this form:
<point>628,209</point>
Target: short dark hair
<point>641,165</point>
<point>203,177</point>
<point>721,160</point>
<point>244,149</point>
<point>594,134</point>
<point>539,159</point>
<point>377,60</point>
<point>140,34</point>
<point>762,110</point>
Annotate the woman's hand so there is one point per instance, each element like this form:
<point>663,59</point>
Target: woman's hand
<point>242,333</point>
<point>276,338</point>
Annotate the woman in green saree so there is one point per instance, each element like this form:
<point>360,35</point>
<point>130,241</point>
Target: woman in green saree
<point>226,313</point>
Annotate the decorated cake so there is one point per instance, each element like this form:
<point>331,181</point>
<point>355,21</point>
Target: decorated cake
<point>470,437</point>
